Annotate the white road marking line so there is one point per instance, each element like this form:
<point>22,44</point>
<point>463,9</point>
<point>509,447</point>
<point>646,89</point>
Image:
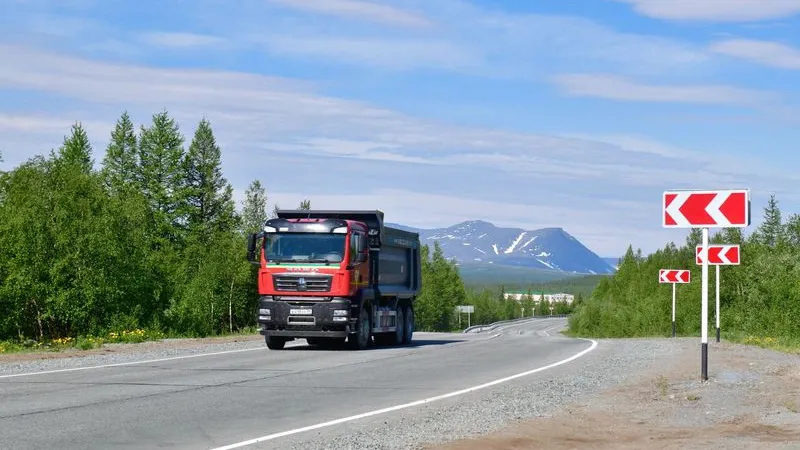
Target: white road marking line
<point>171,358</point>
<point>406,405</point>
<point>130,363</point>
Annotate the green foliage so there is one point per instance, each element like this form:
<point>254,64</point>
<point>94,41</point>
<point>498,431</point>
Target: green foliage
<point>151,245</point>
<point>151,241</point>
<point>759,298</point>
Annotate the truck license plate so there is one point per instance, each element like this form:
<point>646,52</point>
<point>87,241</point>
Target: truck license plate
<point>300,312</point>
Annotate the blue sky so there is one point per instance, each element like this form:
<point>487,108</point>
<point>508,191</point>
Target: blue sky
<point>575,114</point>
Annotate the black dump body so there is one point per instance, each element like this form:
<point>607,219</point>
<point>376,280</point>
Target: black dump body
<point>395,253</point>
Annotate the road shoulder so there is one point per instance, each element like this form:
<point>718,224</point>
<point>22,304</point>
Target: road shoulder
<point>752,400</point>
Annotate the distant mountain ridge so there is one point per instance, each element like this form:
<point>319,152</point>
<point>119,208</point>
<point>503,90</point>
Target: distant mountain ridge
<point>478,242</point>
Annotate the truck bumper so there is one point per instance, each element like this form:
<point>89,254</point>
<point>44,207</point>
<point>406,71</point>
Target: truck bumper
<point>321,319</point>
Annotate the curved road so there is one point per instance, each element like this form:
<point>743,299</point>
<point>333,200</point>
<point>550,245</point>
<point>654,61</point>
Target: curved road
<point>229,400</point>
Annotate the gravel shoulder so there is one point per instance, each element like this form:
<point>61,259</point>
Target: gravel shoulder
<point>751,401</point>
<point>626,394</point>
<point>34,361</point>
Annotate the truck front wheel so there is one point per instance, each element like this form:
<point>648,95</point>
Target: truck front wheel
<point>275,342</point>
<point>360,340</point>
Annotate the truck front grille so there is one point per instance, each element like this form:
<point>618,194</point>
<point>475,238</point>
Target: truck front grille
<point>302,283</point>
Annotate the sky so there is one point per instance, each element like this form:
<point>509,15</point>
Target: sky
<point>575,114</point>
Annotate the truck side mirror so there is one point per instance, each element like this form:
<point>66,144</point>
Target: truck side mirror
<point>251,247</point>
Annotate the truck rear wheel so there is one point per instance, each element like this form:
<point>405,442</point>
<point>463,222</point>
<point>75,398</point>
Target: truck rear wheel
<point>360,340</point>
<point>275,342</point>
<point>399,335</point>
<point>409,324</point>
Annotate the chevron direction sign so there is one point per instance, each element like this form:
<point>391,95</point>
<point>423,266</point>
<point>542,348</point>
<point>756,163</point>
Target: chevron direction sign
<point>674,276</point>
<point>704,209</point>
<point>719,255</point>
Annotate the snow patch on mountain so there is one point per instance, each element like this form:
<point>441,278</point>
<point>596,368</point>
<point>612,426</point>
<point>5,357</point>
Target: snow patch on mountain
<point>546,248</point>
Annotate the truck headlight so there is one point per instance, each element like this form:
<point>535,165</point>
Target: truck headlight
<point>265,318</point>
<point>339,312</point>
<point>264,311</point>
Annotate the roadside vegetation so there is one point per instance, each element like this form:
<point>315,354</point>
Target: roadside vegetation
<point>759,299</point>
<point>151,245</point>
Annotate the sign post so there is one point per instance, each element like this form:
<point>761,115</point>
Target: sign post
<point>469,309</point>
<point>674,277</point>
<point>705,209</point>
<point>719,255</point>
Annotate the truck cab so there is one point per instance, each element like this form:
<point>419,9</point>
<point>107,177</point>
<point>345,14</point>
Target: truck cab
<point>331,276</point>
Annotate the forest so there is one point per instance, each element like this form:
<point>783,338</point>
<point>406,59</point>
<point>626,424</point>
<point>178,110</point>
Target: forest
<point>759,299</point>
<point>152,244</point>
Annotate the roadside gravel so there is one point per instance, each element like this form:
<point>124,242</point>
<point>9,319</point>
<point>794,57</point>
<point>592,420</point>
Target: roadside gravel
<point>613,362</point>
<point>14,363</point>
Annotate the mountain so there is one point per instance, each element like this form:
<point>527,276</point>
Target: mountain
<point>478,242</point>
<point>613,261</point>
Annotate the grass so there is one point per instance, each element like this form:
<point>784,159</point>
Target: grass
<point>663,385</point>
<point>781,344</point>
<point>134,336</point>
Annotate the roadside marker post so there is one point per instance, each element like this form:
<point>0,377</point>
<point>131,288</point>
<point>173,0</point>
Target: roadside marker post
<point>674,277</point>
<point>692,208</point>
<point>719,255</point>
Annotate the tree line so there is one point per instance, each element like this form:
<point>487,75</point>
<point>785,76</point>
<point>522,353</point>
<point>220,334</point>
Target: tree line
<point>153,240</point>
<point>759,299</point>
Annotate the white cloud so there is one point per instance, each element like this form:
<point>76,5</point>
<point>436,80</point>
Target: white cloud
<point>761,52</point>
<point>359,9</point>
<point>389,53</point>
<point>475,40</point>
<point>430,210</point>
<point>716,10</point>
<point>619,88</point>
<point>179,40</point>
<point>321,147</point>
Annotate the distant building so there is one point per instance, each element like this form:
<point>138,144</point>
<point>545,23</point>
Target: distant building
<point>537,297</point>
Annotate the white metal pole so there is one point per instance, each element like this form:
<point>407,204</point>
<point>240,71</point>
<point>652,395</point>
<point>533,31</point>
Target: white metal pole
<point>673,309</point>
<point>717,311</point>
<point>704,310</point>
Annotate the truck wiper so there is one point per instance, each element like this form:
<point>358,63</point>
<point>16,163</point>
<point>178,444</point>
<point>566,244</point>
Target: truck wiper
<point>288,260</point>
<point>320,260</point>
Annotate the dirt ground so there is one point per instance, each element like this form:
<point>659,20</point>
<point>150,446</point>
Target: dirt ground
<point>750,401</point>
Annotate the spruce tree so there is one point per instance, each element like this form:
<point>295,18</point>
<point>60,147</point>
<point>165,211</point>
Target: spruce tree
<point>120,162</point>
<point>76,151</point>
<point>160,172</point>
<point>254,208</point>
<point>207,194</point>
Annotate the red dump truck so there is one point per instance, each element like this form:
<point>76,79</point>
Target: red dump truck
<point>331,276</point>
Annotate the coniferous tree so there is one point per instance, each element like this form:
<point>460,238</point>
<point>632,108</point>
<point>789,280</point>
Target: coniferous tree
<point>208,196</point>
<point>254,208</point>
<point>770,233</point>
<point>76,151</point>
<point>120,162</point>
<point>161,173</point>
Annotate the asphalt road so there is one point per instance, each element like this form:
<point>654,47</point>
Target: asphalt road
<point>226,399</point>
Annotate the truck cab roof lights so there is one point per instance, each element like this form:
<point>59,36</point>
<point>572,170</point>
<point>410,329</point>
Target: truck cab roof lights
<point>340,230</point>
<point>270,229</point>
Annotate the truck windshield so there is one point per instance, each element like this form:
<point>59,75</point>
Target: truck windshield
<point>305,247</point>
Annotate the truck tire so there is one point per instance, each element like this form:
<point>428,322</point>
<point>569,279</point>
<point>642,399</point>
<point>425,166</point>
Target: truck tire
<point>409,323</point>
<point>399,335</point>
<point>275,343</point>
<point>361,338</point>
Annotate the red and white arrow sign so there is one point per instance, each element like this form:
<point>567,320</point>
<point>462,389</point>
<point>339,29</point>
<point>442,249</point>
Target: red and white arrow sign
<point>719,255</point>
<point>674,276</point>
<point>690,209</point>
